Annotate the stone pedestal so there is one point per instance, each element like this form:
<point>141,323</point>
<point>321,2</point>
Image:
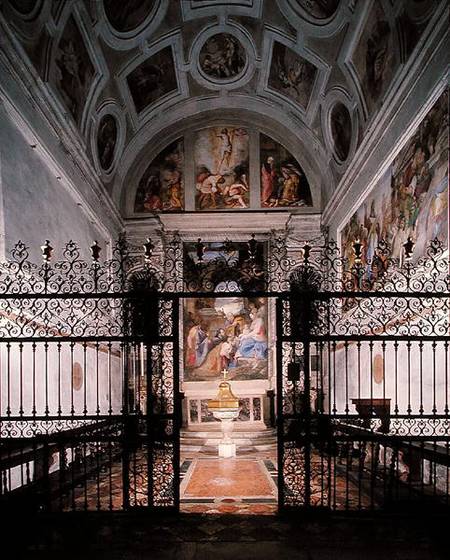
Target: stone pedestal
<point>227,449</point>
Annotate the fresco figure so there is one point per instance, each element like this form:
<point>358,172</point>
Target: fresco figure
<point>253,340</point>
<point>291,74</point>
<point>411,199</point>
<point>74,70</point>
<point>197,346</point>
<point>283,182</point>
<point>161,186</point>
<point>341,130</point>
<point>268,181</point>
<point>374,58</point>
<point>222,163</point>
<point>125,16</point>
<point>106,141</point>
<point>154,78</point>
<point>222,56</point>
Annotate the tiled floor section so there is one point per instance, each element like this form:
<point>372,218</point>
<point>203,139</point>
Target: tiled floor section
<point>235,485</point>
<point>228,478</point>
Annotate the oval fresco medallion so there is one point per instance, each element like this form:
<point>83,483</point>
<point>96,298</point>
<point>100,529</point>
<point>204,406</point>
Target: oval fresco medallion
<point>222,57</point>
<point>77,376</point>
<point>126,16</point>
<point>378,369</point>
<point>341,130</point>
<point>106,141</point>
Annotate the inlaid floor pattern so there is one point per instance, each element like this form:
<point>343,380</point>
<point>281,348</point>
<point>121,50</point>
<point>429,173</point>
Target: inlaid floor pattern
<point>238,485</point>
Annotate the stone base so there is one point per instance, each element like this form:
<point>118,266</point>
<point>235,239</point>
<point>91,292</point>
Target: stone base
<point>227,450</point>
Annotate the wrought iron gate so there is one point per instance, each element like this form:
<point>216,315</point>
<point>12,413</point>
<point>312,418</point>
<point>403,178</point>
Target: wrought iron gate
<point>89,358</point>
<point>363,385</point>
<point>89,366</point>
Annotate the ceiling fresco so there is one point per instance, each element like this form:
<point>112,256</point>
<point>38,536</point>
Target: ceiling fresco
<point>163,63</point>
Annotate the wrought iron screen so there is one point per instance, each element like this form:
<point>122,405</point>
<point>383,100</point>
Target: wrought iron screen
<point>364,386</point>
<point>88,383</point>
<point>89,359</point>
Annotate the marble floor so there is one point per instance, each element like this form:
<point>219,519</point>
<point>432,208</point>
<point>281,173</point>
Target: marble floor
<point>236,485</point>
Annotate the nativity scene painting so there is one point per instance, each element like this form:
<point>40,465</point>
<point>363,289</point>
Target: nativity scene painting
<point>283,182</point>
<point>225,333</point>
<point>410,201</point>
<point>161,187</point>
<point>222,164</point>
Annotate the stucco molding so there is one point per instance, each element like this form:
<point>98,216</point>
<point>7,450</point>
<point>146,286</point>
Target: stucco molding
<point>308,114</point>
<point>108,107</point>
<point>242,35</point>
<point>174,41</point>
<point>135,37</point>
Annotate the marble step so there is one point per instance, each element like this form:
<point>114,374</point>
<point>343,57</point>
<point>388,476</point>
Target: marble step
<point>236,434</point>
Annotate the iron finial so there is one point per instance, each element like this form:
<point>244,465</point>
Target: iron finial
<point>357,249</point>
<point>306,251</point>
<point>148,249</point>
<point>47,251</point>
<point>95,251</point>
<point>200,248</point>
<point>409,248</point>
<point>252,244</point>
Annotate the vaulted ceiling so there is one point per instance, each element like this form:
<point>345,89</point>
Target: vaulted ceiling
<point>133,76</point>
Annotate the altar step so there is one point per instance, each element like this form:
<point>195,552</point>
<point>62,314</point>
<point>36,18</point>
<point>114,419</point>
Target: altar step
<point>247,441</point>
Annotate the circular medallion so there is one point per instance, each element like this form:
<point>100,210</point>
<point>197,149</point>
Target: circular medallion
<point>222,57</point>
<point>106,141</point>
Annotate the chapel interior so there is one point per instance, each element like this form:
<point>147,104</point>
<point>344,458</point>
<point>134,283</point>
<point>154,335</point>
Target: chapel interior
<point>224,278</point>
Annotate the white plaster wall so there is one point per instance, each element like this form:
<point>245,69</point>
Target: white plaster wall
<point>419,381</point>
<point>43,378</point>
<point>36,204</point>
